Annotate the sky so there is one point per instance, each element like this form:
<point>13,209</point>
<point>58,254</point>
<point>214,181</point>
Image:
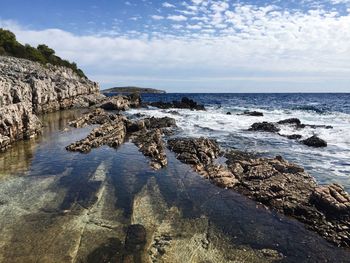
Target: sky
<point>195,45</point>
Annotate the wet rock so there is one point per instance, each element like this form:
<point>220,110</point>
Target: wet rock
<point>333,200</point>
<point>111,134</point>
<point>228,113</point>
<point>264,127</point>
<point>253,113</point>
<point>136,238</point>
<point>287,188</point>
<point>151,144</point>
<point>315,141</point>
<point>201,154</point>
<point>185,103</point>
<point>294,136</point>
<point>291,121</point>
<point>97,116</point>
<point>157,123</point>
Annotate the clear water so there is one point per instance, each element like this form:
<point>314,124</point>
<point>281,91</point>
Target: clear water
<point>58,206</point>
<point>327,165</point>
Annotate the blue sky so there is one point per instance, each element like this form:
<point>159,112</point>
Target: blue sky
<point>195,45</point>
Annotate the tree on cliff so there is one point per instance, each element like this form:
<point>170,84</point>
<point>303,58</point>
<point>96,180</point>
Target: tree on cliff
<point>9,46</point>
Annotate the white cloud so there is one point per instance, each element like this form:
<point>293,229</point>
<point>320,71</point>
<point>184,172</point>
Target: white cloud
<point>168,5</point>
<point>157,17</point>
<point>235,41</point>
<point>177,18</point>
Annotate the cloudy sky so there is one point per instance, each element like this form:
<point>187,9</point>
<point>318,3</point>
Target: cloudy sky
<point>195,45</point>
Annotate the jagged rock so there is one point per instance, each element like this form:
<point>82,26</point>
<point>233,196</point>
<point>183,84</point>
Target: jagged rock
<point>287,188</point>
<point>333,200</point>
<point>97,116</point>
<point>201,154</point>
<point>265,127</point>
<point>28,88</point>
<point>116,103</point>
<point>111,134</point>
<point>157,123</point>
<point>185,103</point>
<point>253,113</point>
<point>151,144</point>
<point>291,121</point>
<point>315,141</point>
<point>17,122</point>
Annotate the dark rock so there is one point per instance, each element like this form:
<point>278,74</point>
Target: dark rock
<point>253,113</point>
<point>265,127</point>
<point>292,136</point>
<point>185,103</point>
<point>136,238</point>
<point>315,141</point>
<point>292,121</point>
<point>228,113</point>
<point>157,123</point>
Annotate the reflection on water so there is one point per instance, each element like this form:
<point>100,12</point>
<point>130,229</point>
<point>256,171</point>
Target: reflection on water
<point>73,207</point>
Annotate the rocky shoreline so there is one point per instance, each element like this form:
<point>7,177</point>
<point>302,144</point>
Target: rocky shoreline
<point>273,182</point>
<point>28,89</point>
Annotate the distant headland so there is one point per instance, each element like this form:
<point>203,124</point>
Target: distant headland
<point>131,89</point>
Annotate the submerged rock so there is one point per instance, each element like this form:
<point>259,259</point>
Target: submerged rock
<point>265,127</point>
<point>315,141</point>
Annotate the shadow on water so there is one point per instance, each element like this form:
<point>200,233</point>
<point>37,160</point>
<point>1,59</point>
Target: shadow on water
<point>67,213</point>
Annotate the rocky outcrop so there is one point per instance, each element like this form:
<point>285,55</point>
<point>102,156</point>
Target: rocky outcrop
<point>151,144</point>
<point>201,154</point>
<point>110,133</point>
<point>27,88</point>
<point>274,182</point>
<point>185,103</point>
<point>17,122</point>
<point>315,141</point>
<point>147,134</point>
<point>264,127</point>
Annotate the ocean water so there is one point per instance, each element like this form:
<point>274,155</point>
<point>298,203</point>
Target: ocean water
<point>327,165</point>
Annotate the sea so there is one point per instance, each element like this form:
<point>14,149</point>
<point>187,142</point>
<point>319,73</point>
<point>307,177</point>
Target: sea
<point>327,165</point>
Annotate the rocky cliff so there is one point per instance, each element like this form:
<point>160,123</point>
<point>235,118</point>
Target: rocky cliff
<point>28,88</point>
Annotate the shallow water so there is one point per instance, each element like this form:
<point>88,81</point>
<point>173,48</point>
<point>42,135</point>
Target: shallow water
<point>57,206</point>
<point>327,165</point>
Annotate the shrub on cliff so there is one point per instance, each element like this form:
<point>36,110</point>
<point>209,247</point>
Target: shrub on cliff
<point>9,46</point>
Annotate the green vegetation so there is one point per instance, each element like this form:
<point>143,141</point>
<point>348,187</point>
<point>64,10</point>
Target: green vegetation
<point>9,46</point>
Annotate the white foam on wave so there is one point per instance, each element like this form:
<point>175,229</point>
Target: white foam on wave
<point>217,124</point>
